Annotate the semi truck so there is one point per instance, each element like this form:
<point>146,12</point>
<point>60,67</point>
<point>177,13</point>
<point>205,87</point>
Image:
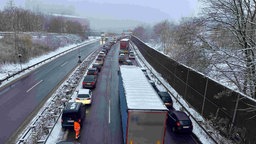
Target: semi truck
<point>143,113</point>
<point>124,46</point>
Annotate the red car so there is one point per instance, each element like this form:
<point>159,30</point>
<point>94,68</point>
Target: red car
<point>92,71</point>
<point>90,81</point>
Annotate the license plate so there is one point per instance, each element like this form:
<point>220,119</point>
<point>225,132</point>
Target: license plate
<point>185,126</point>
<point>88,84</point>
<point>70,121</point>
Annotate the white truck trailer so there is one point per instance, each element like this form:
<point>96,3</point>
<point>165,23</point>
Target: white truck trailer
<point>143,113</point>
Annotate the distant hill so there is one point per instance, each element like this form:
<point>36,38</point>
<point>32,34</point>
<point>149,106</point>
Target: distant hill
<point>102,16</point>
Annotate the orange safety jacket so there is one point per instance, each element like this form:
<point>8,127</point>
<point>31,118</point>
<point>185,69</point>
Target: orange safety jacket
<point>76,126</point>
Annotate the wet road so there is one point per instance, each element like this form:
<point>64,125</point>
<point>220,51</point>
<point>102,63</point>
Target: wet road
<point>103,123</point>
<point>19,99</point>
<point>103,120</point>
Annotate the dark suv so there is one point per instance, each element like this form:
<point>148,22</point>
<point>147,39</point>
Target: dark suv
<point>179,121</point>
<point>73,111</point>
<point>166,98</point>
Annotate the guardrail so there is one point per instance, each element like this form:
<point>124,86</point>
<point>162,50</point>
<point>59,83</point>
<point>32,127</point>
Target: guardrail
<point>34,65</point>
<point>42,125</point>
<point>184,108</point>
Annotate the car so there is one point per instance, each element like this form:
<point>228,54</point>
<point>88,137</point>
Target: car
<point>99,61</point>
<point>179,121</point>
<point>131,56</point>
<point>84,96</point>
<point>127,62</point>
<point>90,81</point>
<point>166,98</point>
<point>102,54</point>
<point>153,85</point>
<point>97,65</point>
<point>121,58</point>
<point>92,71</point>
<point>72,111</point>
<point>105,51</point>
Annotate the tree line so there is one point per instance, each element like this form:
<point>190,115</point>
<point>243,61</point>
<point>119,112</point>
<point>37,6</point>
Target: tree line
<point>22,20</point>
<point>219,43</point>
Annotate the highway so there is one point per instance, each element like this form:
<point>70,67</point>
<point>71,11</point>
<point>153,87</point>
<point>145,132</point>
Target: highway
<point>103,124</point>
<point>20,100</point>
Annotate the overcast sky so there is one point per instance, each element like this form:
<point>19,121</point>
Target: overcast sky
<point>174,8</point>
<point>169,9</point>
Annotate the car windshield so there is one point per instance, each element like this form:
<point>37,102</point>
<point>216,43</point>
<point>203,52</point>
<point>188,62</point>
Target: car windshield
<point>166,99</point>
<point>72,115</point>
<point>83,96</point>
<point>89,78</point>
<point>91,71</point>
<point>185,122</point>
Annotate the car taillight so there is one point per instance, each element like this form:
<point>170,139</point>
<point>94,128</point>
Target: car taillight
<point>93,83</point>
<point>95,73</point>
<point>178,124</point>
<point>77,99</point>
<point>88,98</point>
<point>79,120</point>
<point>84,83</point>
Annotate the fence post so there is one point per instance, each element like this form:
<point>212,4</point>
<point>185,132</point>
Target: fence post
<point>186,84</point>
<point>205,91</point>
<point>234,114</point>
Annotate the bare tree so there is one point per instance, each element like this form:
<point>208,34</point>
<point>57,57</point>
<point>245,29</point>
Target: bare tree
<point>238,18</point>
<point>141,32</point>
<point>163,30</point>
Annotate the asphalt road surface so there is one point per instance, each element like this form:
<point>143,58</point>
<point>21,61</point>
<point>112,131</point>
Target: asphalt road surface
<point>19,99</point>
<point>103,123</point>
<point>103,120</point>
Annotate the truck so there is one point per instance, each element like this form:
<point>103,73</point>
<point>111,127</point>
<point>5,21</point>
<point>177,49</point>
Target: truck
<point>124,46</point>
<point>143,114</point>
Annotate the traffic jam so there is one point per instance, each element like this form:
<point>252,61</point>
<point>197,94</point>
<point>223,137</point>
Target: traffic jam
<point>101,91</point>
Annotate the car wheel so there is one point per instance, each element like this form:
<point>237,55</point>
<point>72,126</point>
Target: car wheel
<point>64,129</point>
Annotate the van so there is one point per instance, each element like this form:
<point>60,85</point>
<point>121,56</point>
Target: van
<point>73,111</point>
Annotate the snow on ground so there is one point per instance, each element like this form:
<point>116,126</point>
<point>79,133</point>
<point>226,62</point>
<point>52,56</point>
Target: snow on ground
<point>55,103</point>
<point>203,137</point>
<point>9,69</point>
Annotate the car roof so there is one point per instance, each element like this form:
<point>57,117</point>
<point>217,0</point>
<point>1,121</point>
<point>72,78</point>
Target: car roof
<point>83,91</point>
<point>92,68</point>
<point>181,115</point>
<point>164,94</point>
<point>71,107</point>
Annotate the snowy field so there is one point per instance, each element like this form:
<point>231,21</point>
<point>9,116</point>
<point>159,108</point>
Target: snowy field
<point>9,69</point>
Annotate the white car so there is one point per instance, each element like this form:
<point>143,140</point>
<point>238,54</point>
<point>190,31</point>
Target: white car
<point>131,56</point>
<point>84,96</point>
<point>102,54</point>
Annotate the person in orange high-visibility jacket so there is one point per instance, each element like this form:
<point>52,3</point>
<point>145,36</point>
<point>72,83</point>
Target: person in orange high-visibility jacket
<point>77,129</point>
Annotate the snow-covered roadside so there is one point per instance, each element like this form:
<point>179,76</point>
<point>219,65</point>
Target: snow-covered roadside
<point>203,137</point>
<point>46,125</point>
<point>9,69</point>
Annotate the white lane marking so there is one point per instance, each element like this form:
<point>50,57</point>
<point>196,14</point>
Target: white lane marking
<point>34,86</point>
<point>109,120</point>
<point>63,64</point>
